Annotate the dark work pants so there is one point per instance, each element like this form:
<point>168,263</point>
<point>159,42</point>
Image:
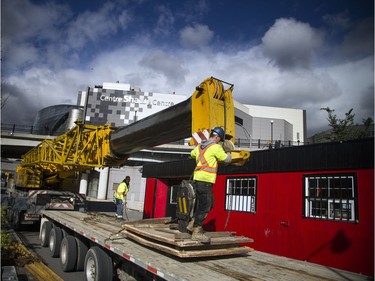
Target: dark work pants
<point>119,208</point>
<point>203,203</point>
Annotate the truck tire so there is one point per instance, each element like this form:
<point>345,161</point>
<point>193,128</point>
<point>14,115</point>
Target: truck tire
<point>98,265</point>
<point>55,241</point>
<point>82,249</point>
<point>68,253</point>
<point>65,232</point>
<point>45,232</point>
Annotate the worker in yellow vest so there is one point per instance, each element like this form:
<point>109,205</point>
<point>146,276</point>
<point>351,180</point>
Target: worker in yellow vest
<point>120,197</point>
<point>207,155</point>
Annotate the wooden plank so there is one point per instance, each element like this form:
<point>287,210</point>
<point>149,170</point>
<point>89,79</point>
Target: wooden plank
<point>177,235</point>
<point>81,222</point>
<point>157,221</point>
<point>210,234</point>
<point>230,240</point>
<point>169,238</point>
<point>186,253</point>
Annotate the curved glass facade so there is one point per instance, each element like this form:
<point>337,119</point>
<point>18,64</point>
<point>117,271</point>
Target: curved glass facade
<point>57,119</point>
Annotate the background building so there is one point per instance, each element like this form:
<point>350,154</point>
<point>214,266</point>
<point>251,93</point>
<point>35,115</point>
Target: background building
<point>276,123</point>
<point>121,104</point>
<point>57,119</point>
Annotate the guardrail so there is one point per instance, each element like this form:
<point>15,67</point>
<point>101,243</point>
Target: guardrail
<point>242,143</point>
<point>265,144</point>
<point>28,129</point>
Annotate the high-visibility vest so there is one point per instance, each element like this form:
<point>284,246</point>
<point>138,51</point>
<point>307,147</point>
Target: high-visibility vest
<point>121,191</point>
<point>207,161</point>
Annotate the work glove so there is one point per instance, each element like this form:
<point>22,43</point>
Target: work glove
<point>228,146</point>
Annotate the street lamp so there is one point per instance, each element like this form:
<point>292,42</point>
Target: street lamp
<point>271,131</point>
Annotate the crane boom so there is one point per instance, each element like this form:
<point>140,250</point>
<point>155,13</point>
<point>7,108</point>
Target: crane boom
<point>87,146</point>
<point>208,107</point>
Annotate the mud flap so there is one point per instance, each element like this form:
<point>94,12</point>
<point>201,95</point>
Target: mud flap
<point>185,204</point>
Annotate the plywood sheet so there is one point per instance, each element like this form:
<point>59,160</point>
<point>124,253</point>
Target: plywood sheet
<point>164,238</point>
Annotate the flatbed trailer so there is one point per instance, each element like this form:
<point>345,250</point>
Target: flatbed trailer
<point>108,254</point>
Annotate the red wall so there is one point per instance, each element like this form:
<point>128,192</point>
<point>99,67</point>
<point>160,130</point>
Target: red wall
<point>278,227</point>
<point>149,199</point>
<point>155,199</point>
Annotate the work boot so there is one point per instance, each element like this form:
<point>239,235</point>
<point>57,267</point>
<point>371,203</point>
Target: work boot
<point>190,225</point>
<point>199,236</point>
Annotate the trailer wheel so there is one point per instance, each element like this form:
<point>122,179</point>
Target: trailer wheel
<point>68,253</point>
<point>98,265</point>
<point>55,241</point>
<point>82,249</point>
<point>45,233</point>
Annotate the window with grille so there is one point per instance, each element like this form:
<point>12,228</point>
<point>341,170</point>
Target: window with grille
<point>331,197</point>
<point>241,194</point>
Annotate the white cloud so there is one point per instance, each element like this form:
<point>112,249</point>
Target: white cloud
<point>255,80</point>
<point>36,77</point>
<point>165,64</point>
<point>291,44</point>
<point>91,26</point>
<point>198,36</point>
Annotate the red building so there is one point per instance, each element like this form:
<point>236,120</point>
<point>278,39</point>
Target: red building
<point>312,203</point>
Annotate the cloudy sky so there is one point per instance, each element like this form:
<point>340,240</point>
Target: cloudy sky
<point>283,53</point>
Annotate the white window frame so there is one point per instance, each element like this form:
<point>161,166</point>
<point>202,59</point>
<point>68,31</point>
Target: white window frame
<point>328,201</point>
<point>172,189</point>
<point>240,203</point>
<point>342,202</point>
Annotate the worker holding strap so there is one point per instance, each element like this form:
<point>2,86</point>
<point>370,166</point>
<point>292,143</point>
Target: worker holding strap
<point>120,197</point>
<point>207,155</point>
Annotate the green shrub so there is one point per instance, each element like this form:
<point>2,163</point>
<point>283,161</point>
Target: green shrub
<point>6,237</point>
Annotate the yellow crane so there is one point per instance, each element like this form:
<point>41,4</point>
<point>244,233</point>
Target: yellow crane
<point>87,146</point>
<point>49,173</point>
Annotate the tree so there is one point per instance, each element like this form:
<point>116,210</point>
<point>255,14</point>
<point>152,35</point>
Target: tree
<point>4,100</point>
<point>345,129</point>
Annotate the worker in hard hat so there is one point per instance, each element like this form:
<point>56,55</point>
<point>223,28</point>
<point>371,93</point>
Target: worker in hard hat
<point>120,196</point>
<point>207,155</point>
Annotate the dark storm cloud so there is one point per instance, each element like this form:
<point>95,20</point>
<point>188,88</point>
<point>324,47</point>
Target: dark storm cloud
<point>359,42</point>
<point>367,103</point>
<point>27,31</point>
<point>18,108</point>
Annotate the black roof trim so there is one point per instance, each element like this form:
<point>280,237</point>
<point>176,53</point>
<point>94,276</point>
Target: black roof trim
<point>358,154</point>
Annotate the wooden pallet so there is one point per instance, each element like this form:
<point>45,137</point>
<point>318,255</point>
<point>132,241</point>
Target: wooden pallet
<point>161,235</point>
